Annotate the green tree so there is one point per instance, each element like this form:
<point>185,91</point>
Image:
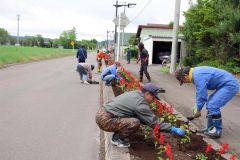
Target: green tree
<point>67,36</point>
<point>40,40</point>
<point>132,40</point>
<point>212,34</point>
<point>171,24</point>
<point>4,36</point>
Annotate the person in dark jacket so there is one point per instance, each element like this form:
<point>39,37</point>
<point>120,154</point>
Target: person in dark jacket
<point>129,53</point>
<point>143,57</point>
<point>225,87</point>
<point>81,54</point>
<point>123,115</point>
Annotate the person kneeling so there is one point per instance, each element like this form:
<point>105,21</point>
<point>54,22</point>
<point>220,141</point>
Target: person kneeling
<point>124,114</point>
<point>110,74</point>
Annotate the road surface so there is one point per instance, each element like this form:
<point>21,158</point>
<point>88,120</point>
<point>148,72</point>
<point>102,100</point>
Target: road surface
<point>46,113</point>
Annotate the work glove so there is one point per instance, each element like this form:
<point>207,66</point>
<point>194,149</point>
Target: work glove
<point>178,131</point>
<point>196,113</point>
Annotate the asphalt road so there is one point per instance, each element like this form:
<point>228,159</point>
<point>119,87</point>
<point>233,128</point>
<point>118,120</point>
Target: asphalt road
<point>46,113</point>
<point>183,99</point>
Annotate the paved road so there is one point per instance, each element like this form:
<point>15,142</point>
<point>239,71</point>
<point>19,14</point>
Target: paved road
<point>46,114</point>
<point>183,98</point>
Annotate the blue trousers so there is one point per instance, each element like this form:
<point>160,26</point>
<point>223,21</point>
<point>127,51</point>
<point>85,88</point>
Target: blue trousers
<point>220,97</point>
<point>109,78</point>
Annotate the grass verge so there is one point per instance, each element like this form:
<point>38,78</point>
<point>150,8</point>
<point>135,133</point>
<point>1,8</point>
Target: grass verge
<point>19,54</point>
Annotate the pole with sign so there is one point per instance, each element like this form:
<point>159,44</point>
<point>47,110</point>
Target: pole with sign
<point>121,21</point>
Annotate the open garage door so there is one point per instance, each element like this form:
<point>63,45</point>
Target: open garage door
<point>161,48</point>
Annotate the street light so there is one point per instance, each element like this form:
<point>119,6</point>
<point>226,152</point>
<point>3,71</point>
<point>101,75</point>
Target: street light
<point>129,5</point>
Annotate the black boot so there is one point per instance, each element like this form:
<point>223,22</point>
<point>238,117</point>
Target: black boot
<point>119,142</point>
<point>141,78</point>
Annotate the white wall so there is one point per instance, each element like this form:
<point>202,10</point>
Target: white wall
<point>148,44</point>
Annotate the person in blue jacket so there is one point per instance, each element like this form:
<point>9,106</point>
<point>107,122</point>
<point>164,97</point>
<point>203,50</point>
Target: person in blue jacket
<point>225,87</point>
<point>81,54</point>
<point>110,74</point>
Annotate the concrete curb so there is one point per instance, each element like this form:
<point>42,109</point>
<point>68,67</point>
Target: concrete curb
<point>112,152</point>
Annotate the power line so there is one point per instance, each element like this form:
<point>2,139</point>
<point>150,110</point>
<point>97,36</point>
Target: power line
<point>141,11</point>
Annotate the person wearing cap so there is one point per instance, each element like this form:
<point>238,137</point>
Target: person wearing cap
<point>143,57</point>
<point>225,87</point>
<point>85,72</point>
<point>124,114</point>
<point>110,74</point>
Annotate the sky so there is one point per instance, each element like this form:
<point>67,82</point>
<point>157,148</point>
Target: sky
<point>91,18</point>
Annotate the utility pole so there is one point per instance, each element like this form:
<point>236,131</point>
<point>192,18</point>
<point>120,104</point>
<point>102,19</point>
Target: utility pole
<point>107,40</point>
<point>18,18</point>
<point>115,31</point>
<point>118,41</point>
<point>129,5</point>
<point>175,36</point>
<point>123,31</point>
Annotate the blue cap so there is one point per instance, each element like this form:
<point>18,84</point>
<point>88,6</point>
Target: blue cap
<point>153,89</point>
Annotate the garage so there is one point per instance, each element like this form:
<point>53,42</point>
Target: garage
<point>157,39</point>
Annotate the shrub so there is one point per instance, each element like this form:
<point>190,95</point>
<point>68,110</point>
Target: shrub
<point>134,52</point>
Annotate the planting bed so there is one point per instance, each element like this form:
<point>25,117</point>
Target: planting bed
<point>143,148</point>
<point>148,144</point>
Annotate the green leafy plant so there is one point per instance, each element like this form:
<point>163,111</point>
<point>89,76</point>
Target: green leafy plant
<point>201,156</point>
<point>186,138</point>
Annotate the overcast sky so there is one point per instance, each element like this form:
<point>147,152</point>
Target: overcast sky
<point>92,18</point>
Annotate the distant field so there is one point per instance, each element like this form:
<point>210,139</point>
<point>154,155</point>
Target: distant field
<point>14,54</point>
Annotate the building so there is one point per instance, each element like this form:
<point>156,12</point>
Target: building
<point>157,39</point>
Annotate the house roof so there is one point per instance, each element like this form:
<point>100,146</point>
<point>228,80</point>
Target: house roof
<point>155,26</point>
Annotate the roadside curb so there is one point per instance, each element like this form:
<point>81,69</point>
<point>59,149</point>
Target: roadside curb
<point>112,152</point>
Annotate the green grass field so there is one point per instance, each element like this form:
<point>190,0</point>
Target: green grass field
<point>19,54</point>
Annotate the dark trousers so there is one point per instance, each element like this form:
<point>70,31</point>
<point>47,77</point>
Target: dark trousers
<point>122,126</point>
<point>143,69</point>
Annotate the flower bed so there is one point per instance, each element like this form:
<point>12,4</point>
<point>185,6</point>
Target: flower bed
<point>149,144</point>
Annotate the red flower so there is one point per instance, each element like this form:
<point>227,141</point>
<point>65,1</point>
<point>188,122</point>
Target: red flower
<point>155,131</point>
<point>130,85</point>
<point>223,149</point>
<point>233,157</point>
<point>169,151</point>
<point>171,109</point>
<point>137,83</point>
<point>208,149</point>
<point>122,81</point>
<point>160,109</point>
<point>139,88</point>
<point>161,139</point>
<point>165,107</point>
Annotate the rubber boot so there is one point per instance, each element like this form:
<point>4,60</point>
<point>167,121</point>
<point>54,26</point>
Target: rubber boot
<point>209,124</point>
<point>216,130</point>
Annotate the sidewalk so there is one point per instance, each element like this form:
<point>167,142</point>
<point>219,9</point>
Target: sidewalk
<point>183,99</point>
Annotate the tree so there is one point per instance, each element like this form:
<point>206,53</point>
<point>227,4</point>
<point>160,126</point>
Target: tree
<point>40,40</point>
<point>132,40</point>
<point>213,36</point>
<point>171,24</point>
<point>67,36</point>
<point>4,36</point>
